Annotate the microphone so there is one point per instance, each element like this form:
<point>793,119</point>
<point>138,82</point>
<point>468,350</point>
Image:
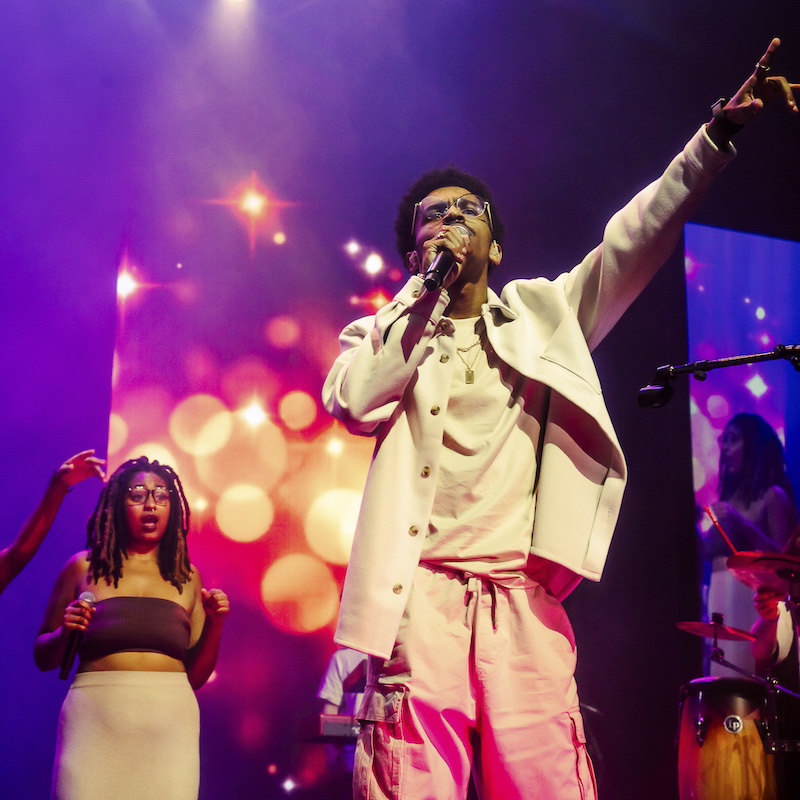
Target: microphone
<point>441,265</point>
<point>74,641</point>
<point>654,395</point>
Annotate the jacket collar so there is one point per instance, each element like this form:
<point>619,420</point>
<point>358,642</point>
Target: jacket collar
<point>494,303</point>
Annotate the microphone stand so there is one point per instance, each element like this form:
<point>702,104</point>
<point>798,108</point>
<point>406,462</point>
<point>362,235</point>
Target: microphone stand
<point>659,392</point>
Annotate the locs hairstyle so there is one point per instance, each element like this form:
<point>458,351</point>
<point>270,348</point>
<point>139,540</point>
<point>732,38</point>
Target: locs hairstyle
<point>429,182</point>
<point>107,529</point>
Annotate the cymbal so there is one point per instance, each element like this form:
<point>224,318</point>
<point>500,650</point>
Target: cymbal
<point>775,571</point>
<point>713,630</point>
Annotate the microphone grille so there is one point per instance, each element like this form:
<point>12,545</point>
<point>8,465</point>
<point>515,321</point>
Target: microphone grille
<point>87,597</point>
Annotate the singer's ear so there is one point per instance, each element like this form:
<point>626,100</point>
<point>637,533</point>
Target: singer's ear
<point>412,262</point>
<point>495,254</point>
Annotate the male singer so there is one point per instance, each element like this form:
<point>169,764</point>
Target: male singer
<point>496,481</point>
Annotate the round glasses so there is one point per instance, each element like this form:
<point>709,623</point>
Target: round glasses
<point>433,208</point>
<point>137,495</point>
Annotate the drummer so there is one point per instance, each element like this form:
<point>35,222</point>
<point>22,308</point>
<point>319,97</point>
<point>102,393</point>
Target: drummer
<point>775,654</point>
<point>774,631</point>
<point>757,512</point>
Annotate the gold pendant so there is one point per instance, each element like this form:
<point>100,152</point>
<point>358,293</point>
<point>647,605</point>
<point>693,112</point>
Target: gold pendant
<point>469,376</point>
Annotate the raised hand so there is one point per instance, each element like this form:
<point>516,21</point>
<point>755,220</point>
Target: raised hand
<point>760,89</point>
<point>79,467</point>
<point>215,604</point>
<point>766,603</point>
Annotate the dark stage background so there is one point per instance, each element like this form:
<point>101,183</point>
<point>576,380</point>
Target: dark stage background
<point>127,129</point>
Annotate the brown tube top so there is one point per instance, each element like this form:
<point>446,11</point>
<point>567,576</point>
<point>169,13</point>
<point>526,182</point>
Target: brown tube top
<point>138,625</point>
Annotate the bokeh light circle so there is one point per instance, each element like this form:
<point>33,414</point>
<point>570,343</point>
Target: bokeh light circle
<point>256,456</point>
<point>117,433</point>
<point>155,451</point>
<point>299,593</point>
<point>201,424</point>
<point>718,407</point>
<point>297,410</point>
<point>282,332</point>
<point>244,513</point>
<point>330,524</point>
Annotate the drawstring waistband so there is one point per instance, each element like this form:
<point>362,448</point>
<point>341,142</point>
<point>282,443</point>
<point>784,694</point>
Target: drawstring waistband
<point>474,590</point>
<point>475,585</point>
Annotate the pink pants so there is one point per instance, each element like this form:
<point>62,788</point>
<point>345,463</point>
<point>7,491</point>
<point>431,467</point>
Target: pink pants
<point>481,679</point>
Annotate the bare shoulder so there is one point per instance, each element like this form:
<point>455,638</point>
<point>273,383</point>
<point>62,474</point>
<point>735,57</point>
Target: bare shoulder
<point>776,497</point>
<point>194,587</point>
<point>77,566</point>
<point>194,577</point>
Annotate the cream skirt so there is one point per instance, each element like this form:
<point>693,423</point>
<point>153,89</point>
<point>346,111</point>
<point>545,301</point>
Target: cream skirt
<point>128,736</point>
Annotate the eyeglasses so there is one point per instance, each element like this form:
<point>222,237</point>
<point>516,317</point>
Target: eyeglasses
<point>137,495</point>
<point>433,208</point>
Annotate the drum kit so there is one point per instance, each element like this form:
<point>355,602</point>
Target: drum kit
<point>729,742</point>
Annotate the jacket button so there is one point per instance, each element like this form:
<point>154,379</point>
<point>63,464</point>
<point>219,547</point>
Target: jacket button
<point>435,410</point>
<point>444,358</point>
<point>413,530</point>
<point>425,472</point>
<point>415,293</point>
<point>397,588</point>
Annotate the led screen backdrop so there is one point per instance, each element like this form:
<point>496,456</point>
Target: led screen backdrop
<point>742,300</point>
<point>217,372</point>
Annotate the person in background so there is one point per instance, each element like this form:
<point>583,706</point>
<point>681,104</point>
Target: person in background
<point>150,635</point>
<point>775,654</point>
<point>341,692</point>
<point>757,512</point>
<point>342,685</point>
<point>15,557</point>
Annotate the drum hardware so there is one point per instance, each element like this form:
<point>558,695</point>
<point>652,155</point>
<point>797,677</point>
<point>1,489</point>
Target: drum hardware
<point>767,728</point>
<point>730,742</point>
<point>716,629</point>
<point>701,726</point>
<point>776,571</point>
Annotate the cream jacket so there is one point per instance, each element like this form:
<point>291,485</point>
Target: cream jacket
<point>392,378</point>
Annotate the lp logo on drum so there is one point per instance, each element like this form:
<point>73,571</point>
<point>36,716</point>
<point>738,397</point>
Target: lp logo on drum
<point>733,724</point>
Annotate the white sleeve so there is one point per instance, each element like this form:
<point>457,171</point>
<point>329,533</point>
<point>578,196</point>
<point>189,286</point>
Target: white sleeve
<point>785,632</point>
<point>331,689</point>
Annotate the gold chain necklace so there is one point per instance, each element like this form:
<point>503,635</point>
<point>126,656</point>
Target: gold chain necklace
<point>469,373</point>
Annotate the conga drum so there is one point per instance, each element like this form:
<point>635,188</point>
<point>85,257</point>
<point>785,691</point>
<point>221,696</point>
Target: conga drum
<point>721,753</point>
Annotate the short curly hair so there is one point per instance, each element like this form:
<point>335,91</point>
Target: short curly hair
<point>429,182</point>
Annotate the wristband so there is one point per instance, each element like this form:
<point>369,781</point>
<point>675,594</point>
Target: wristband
<point>718,113</point>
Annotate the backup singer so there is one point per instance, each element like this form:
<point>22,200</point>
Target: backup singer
<point>129,726</point>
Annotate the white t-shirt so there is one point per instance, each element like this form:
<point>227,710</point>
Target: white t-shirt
<point>483,511</point>
<point>342,664</point>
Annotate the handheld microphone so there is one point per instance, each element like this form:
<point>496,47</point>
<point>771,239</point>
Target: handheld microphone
<point>74,641</point>
<point>441,265</point>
